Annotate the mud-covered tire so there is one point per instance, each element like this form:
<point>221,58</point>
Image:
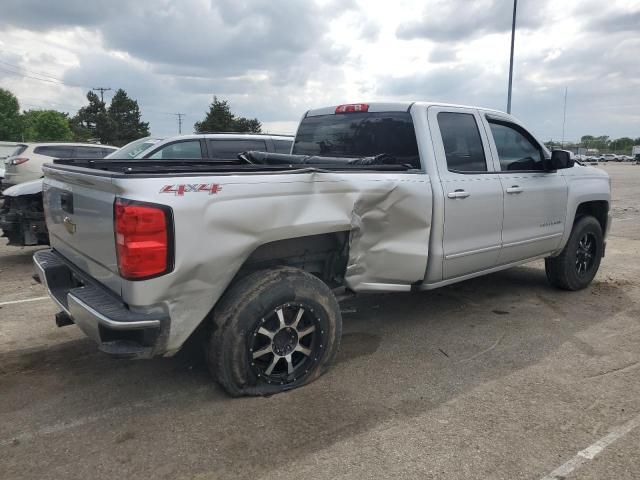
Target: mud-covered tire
<point>570,270</point>
<point>301,319</point>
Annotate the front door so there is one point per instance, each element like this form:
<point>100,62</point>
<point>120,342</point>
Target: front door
<point>472,192</point>
<point>534,199</point>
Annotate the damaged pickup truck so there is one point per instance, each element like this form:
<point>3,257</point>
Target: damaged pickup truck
<point>379,197</point>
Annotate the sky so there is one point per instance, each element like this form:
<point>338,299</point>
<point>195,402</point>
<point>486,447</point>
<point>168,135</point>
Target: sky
<point>275,59</point>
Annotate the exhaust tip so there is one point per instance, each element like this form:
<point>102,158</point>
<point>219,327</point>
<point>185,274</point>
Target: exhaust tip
<point>63,319</point>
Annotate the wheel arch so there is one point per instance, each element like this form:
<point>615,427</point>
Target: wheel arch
<point>324,255</point>
<point>594,205</point>
<point>595,208</point>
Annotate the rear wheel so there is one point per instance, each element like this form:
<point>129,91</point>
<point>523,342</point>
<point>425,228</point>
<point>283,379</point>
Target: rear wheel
<point>274,330</point>
<point>578,263</point>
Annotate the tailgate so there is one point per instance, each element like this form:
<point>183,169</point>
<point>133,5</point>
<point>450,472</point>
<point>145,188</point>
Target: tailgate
<point>79,213</point>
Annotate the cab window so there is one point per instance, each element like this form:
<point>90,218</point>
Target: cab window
<point>517,150</point>
<point>462,143</point>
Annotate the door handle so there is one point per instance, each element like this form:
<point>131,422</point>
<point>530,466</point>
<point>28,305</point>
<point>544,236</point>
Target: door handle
<point>459,193</point>
<point>514,189</point>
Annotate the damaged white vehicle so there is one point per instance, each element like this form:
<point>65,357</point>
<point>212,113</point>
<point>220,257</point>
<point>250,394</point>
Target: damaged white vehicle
<point>386,197</point>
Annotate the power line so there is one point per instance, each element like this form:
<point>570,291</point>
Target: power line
<point>48,78</point>
<point>101,90</point>
<point>179,115</point>
<point>33,72</point>
<point>23,75</point>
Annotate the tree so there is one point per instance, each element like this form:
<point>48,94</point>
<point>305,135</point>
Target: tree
<point>220,119</point>
<point>622,145</point>
<point>46,126</point>
<point>125,119</point>
<point>117,125</point>
<point>85,123</point>
<point>10,121</point>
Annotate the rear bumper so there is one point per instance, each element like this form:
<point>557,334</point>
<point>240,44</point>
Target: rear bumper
<point>101,315</point>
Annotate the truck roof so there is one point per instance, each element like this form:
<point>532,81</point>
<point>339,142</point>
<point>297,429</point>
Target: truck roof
<point>395,107</point>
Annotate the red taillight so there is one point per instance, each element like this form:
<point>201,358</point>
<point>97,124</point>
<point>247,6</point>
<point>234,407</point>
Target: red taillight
<point>352,107</point>
<point>143,239</point>
<point>18,160</point>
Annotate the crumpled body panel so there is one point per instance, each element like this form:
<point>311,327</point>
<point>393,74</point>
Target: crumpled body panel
<point>387,215</point>
<point>389,237</point>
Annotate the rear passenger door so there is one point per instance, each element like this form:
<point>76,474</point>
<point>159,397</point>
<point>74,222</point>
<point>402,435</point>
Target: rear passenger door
<point>228,149</point>
<point>471,188</point>
<point>535,200</point>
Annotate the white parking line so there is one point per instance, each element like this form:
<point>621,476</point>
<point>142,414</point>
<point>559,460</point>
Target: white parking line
<point>589,453</point>
<point>12,302</point>
<point>118,412</point>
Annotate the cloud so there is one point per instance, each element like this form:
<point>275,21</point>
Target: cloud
<point>616,21</point>
<point>55,14</point>
<point>275,60</point>
<point>445,20</point>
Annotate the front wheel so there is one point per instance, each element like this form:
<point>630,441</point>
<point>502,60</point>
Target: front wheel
<point>579,261</point>
<point>273,330</point>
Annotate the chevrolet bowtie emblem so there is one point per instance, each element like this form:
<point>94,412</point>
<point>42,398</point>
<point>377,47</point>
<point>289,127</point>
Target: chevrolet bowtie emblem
<point>69,225</point>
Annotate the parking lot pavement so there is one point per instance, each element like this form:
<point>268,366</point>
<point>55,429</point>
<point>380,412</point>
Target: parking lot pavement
<point>497,377</point>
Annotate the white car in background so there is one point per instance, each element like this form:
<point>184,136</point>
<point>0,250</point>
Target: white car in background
<point>25,162</point>
<point>609,157</point>
<point>21,215</point>
<point>6,149</point>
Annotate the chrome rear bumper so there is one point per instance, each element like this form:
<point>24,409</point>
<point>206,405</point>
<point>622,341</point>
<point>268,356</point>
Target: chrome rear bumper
<point>99,313</point>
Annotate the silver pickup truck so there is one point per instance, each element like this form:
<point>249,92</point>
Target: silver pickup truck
<point>378,197</point>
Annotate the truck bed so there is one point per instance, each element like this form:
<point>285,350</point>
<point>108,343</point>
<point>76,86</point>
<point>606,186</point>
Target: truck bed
<point>248,162</point>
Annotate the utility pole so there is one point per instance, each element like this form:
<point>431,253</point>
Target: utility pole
<point>564,115</point>
<point>513,37</point>
<point>179,115</point>
<point>101,90</point>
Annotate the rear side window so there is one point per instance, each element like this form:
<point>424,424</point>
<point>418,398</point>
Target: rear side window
<point>282,146</point>
<point>229,149</point>
<point>361,134</point>
<point>462,142</point>
<point>18,150</point>
<point>89,152</point>
<point>187,150</point>
<point>517,151</point>
<point>55,151</point>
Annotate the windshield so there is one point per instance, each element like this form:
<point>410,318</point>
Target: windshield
<point>362,134</point>
<point>133,149</point>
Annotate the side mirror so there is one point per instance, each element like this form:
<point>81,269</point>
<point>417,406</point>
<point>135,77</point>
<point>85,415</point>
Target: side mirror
<point>561,159</point>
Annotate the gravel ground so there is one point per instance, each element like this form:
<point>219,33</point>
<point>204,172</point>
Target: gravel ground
<point>498,377</point>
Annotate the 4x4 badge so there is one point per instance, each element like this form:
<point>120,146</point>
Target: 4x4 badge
<point>180,190</point>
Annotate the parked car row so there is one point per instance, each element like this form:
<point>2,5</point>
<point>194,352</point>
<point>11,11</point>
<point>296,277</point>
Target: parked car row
<point>26,160</point>
<point>606,157</point>
<point>22,216</point>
